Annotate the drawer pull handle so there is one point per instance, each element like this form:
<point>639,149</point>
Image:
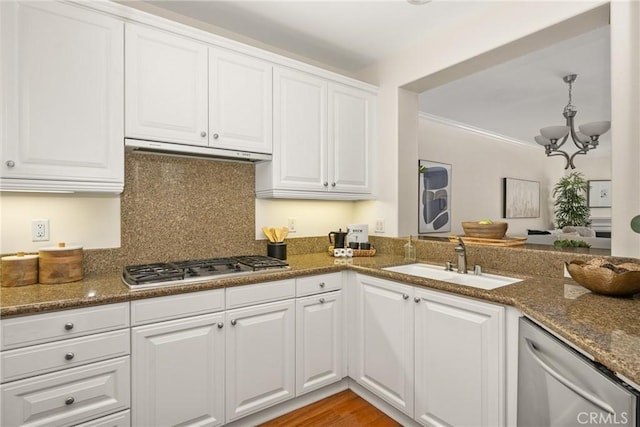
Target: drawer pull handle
<point>321,300</point>
<point>69,401</point>
<point>220,325</point>
<point>69,355</point>
<point>322,284</point>
<point>405,296</point>
<point>417,299</point>
<point>68,326</point>
<point>233,322</point>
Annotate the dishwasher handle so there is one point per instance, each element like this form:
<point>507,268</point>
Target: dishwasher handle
<point>566,382</point>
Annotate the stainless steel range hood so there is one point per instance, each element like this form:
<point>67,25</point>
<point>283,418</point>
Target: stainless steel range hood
<point>181,150</point>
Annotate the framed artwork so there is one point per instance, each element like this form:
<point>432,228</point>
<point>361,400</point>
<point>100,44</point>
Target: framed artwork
<point>521,198</point>
<point>434,197</point>
<point>599,194</point>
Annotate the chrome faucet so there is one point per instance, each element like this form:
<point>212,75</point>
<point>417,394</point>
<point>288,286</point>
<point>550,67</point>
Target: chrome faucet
<point>461,250</point>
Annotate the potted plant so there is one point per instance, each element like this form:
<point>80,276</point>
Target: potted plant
<point>570,206</point>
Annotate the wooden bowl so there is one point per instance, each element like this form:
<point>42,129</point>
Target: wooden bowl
<point>495,230</point>
<point>604,280</point>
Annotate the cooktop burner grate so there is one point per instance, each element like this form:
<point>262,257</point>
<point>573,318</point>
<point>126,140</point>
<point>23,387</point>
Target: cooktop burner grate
<point>157,274</point>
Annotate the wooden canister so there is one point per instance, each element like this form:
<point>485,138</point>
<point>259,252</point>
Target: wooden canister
<point>19,270</point>
<point>60,264</point>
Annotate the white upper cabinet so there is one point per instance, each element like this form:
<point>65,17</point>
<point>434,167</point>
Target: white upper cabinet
<point>182,91</point>
<point>240,102</point>
<point>323,140</point>
<point>62,84</point>
<point>350,138</point>
<point>166,87</point>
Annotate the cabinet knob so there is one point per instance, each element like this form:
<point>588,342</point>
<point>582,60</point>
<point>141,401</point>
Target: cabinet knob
<point>322,284</point>
<point>69,401</point>
<point>68,326</point>
<point>405,296</point>
<point>417,299</point>
<point>216,136</point>
<point>233,322</point>
<point>333,184</point>
<point>69,355</point>
<point>220,325</point>
<point>203,134</point>
<point>326,184</point>
<point>321,300</point>
<point>10,163</point>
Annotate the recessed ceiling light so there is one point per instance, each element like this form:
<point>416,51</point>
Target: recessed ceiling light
<point>418,2</point>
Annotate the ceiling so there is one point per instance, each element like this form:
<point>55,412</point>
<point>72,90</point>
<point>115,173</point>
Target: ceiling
<point>514,99</point>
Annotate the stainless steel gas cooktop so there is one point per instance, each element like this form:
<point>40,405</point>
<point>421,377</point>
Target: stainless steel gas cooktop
<point>146,276</point>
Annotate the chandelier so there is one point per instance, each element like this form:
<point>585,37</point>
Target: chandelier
<point>554,137</point>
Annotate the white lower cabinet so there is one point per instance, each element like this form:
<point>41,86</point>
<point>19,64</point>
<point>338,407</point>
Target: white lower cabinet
<point>459,370</point>
<point>384,340</point>
<point>178,372</point>
<point>443,352</point>
<point>67,397</point>
<point>319,341</point>
<point>260,357</point>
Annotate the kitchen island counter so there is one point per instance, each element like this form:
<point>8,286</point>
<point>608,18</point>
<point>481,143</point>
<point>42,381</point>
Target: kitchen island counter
<point>605,327</point>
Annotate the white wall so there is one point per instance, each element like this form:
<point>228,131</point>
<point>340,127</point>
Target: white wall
<point>92,222</point>
<point>496,35</point>
<point>479,163</point>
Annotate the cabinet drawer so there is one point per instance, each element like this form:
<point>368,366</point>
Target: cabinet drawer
<point>176,306</point>
<point>44,358</point>
<point>41,328</point>
<point>121,419</point>
<point>320,283</point>
<point>68,397</point>
<point>241,296</point>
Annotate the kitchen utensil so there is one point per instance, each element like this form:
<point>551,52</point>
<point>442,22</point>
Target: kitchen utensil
<point>339,237</point>
<point>60,264</point>
<point>19,270</point>
<point>267,232</point>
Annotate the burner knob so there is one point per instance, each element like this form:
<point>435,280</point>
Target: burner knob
<point>220,325</point>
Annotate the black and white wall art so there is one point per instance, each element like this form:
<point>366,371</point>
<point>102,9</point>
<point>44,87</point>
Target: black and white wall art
<point>599,194</point>
<point>434,197</point>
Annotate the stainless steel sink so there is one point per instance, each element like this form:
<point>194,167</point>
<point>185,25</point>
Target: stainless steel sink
<point>482,281</point>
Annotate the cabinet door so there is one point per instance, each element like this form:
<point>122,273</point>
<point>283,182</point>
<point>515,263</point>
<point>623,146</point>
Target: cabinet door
<point>166,87</point>
<point>300,131</point>
<point>178,372</point>
<point>459,361</point>
<point>319,341</point>
<point>384,347</point>
<point>351,128</point>
<point>260,357</point>
<point>62,86</point>
<point>240,102</point>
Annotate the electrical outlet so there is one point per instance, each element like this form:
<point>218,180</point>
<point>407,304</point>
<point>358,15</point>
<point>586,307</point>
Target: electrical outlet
<point>380,225</point>
<point>39,230</point>
<point>291,224</point>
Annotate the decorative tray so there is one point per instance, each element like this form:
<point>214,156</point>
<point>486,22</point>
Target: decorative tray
<point>505,241</point>
<point>357,252</point>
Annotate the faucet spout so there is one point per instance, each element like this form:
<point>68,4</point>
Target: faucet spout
<point>461,251</point>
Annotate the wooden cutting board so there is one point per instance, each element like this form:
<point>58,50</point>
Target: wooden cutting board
<point>506,241</point>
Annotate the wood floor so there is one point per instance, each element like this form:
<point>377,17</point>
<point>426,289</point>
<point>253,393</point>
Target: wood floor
<point>345,409</point>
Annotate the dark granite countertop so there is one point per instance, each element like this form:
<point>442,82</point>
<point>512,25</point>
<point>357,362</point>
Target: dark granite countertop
<point>607,328</point>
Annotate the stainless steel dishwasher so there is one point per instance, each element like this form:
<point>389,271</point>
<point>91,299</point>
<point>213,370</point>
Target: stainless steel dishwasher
<point>557,386</point>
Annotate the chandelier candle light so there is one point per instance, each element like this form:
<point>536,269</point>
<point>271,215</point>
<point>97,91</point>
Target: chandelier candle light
<point>586,139</point>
